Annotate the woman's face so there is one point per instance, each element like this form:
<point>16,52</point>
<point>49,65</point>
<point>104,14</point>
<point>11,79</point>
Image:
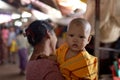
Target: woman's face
<point>53,39</point>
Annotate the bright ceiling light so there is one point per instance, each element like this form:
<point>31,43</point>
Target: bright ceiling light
<point>5,18</point>
<point>18,23</point>
<point>26,14</point>
<point>24,20</point>
<point>15,16</point>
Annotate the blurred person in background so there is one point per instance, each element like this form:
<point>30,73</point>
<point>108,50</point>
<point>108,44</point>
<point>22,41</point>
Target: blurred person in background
<point>13,51</point>
<point>4,37</point>
<point>1,48</point>
<point>12,37</point>
<point>22,51</point>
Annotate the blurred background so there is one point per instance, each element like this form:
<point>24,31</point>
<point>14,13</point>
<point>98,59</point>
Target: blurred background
<point>103,15</point>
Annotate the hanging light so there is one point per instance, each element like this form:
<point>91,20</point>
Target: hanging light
<point>26,14</point>
<point>15,16</point>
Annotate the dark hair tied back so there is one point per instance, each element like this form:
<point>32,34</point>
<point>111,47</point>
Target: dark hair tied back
<point>36,31</point>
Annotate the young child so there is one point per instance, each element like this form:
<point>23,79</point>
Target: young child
<point>13,51</point>
<point>42,65</point>
<point>75,62</point>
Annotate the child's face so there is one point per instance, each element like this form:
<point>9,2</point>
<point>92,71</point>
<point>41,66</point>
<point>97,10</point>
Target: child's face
<point>77,37</point>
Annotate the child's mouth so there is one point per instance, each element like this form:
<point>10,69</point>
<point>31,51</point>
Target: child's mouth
<point>75,45</point>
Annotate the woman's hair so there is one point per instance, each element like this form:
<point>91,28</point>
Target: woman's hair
<point>37,30</point>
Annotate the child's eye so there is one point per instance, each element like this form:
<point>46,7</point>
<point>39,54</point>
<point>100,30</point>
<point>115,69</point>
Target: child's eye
<point>71,35</point>
<point>81,36</point>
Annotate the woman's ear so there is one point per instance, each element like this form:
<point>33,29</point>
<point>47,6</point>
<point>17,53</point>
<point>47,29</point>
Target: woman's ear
<point>48,34</point>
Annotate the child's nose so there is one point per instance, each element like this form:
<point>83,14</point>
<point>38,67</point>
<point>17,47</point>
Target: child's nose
<point>75,40</point>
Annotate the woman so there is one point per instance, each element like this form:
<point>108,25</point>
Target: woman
<point>42,65</point>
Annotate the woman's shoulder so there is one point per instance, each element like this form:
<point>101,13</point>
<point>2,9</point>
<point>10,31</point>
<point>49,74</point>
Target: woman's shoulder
<point>41,61</point>
<point>44,68</point>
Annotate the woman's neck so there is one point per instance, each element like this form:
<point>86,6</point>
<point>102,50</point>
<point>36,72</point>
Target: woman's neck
<point>41,49</point>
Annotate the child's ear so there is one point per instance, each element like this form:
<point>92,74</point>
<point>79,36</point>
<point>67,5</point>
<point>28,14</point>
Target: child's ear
<point>89,39</point>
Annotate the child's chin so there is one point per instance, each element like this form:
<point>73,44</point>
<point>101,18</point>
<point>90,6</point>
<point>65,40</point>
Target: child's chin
<point>75,49</point>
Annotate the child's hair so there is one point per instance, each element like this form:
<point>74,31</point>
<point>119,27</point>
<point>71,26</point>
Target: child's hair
<point>37,30</point>
<point>80,21</point>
